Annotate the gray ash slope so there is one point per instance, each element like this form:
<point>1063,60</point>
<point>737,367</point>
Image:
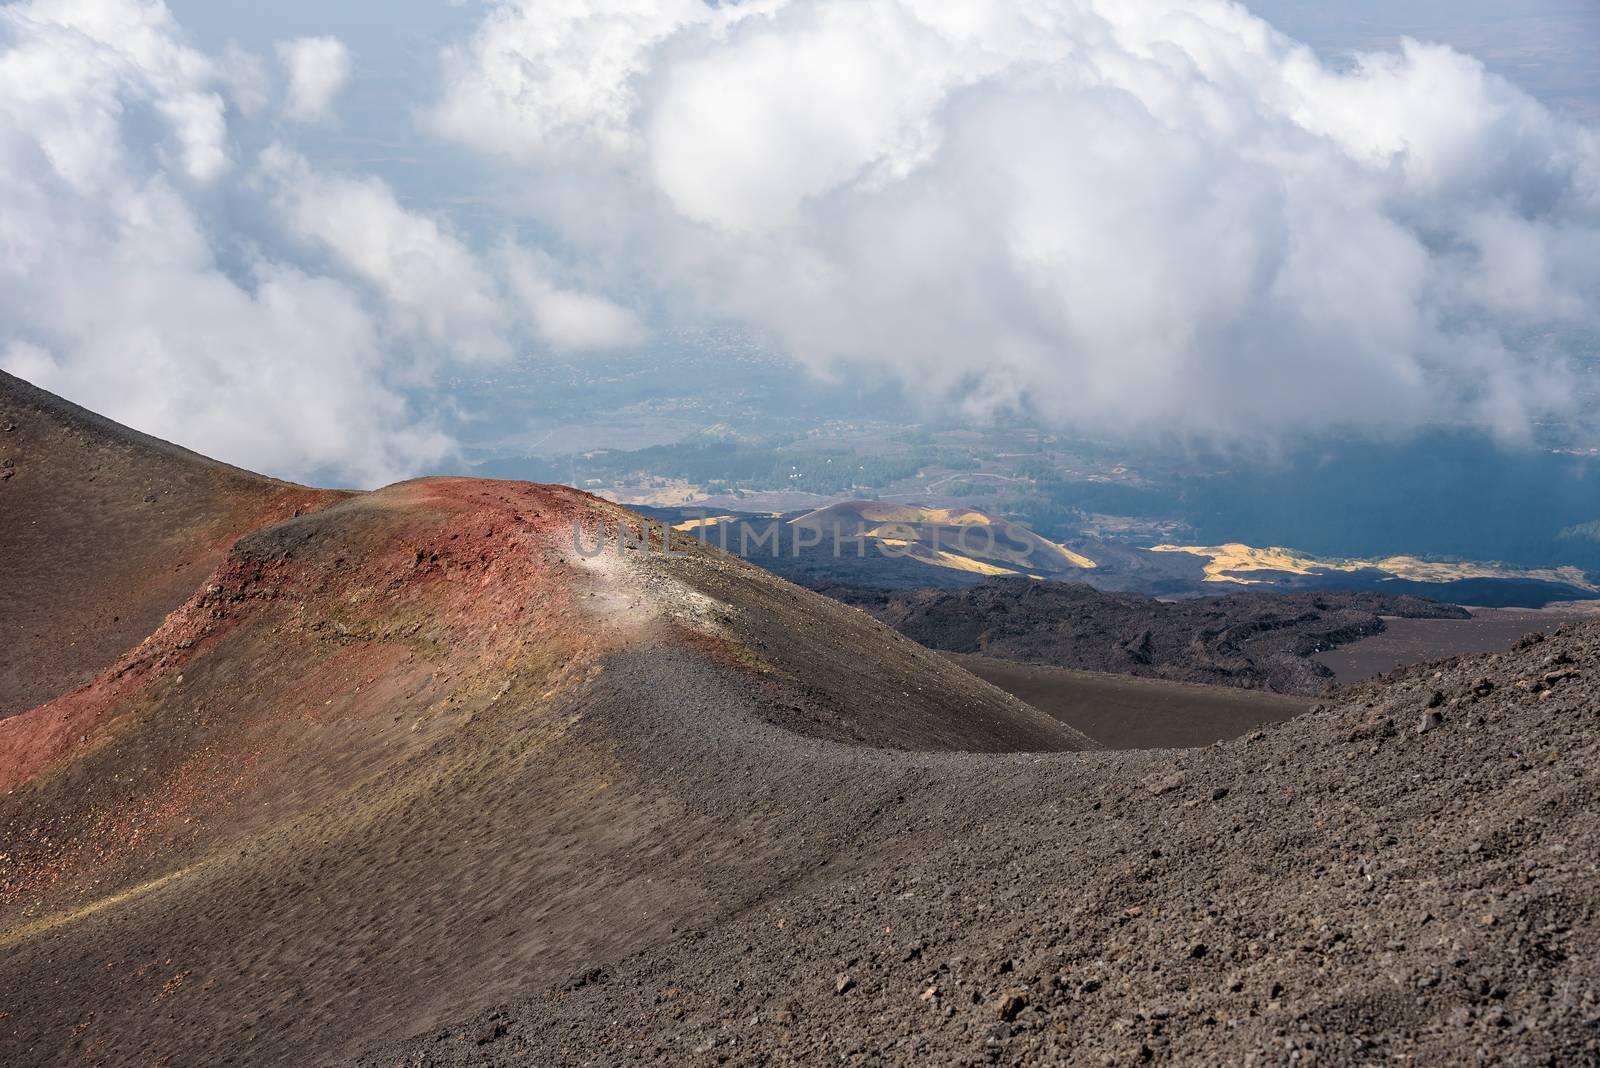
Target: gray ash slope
<point>1261,641</point>
<point>1409,873</point>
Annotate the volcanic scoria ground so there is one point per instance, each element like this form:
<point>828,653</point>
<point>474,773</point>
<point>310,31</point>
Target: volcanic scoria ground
<point>410,778</point>
<point>1258,641</point>
<point>1407,875</point>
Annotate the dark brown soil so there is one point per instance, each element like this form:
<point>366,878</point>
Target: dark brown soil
<point>103,531</point>
<point>1123,712</point>
<point>1265,641</point>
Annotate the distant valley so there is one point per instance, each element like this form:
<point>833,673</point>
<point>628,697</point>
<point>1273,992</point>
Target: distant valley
<point>885,544</point>
<point>1445,514</point>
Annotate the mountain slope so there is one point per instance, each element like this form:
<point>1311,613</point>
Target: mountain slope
<point>1365,884</point>
<point>958,539</point>
<point>414,750</point>
<point>422,778</point>
<point>1126,712</point>
<point>105,530</point>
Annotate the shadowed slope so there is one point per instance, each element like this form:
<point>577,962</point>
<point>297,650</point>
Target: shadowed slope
<point>103,531</point>
<point>413,751</point>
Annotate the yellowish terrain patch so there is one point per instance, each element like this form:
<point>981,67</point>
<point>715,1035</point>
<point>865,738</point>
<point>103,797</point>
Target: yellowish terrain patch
<point>939,558</point>
<point>700,524</point>
<point>1225,563</point>
<point>904,524</point>
<point>966,563</point>
<point>1075,559</point>
<point>669,493</point>
<point>877,512</point>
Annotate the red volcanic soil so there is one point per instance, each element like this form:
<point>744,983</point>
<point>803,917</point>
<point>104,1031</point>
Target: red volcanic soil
<point>378,752</point>
<point>103,531</point>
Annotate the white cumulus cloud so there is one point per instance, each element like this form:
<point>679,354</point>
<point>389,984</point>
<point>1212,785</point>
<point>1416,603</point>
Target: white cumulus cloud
<point>1130,218</point>
<point>541,75</point>
<point>564,318</point>
<point>318,69</point>
<point>431,282</point>
<point>273,312</point>
<point>115,289</point>
<point>1160,216</point>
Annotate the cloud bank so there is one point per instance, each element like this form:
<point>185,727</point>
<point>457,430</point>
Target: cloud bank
<point>113,289</point>
<point>1126,217</point>
<point>258,309</point>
